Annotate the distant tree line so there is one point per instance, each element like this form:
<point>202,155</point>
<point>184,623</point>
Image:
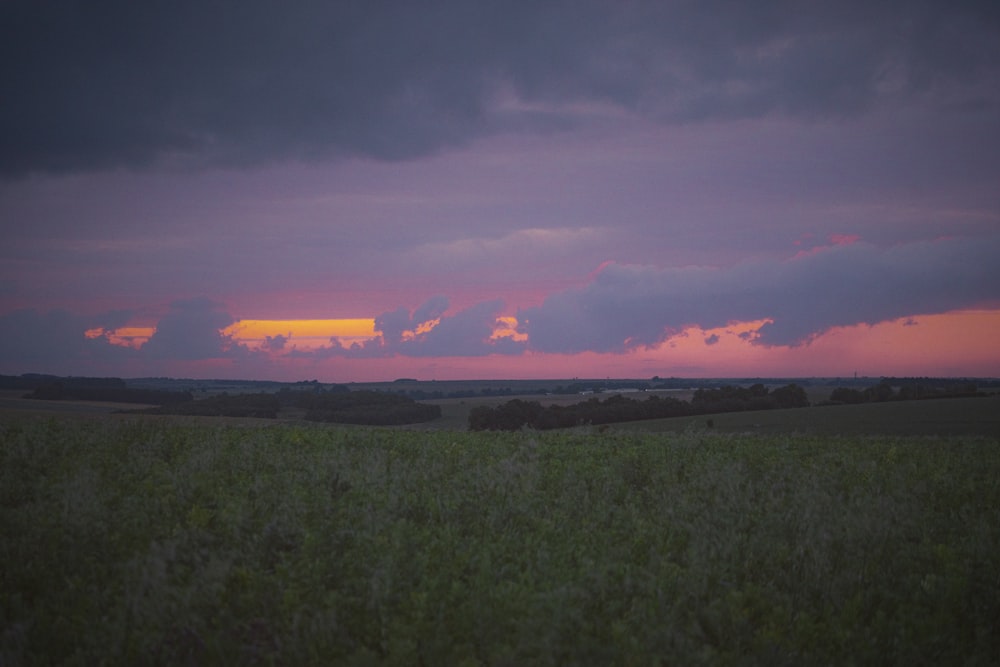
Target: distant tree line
<point>517,413</point>
<point>36,380</point>
<point>60,392</point>
<point>361,407</point>
<point>340,407</point>
<point>437,394</point>
<point>909,389</point>
<point>755,397</point>
<point>598,386</point>
<point>54,388</point>
<point>577,387</point>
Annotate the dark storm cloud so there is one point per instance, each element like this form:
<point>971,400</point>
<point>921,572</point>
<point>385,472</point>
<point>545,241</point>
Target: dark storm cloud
<point>191,330</point>
<point>464,334</point>
<point>627,307</point>
<point>91,85</point>
<point>38,338</point>
<point>57,341</point>
<point>431,310</point>
<point>394,324</point>
<point>467,333</point>
<point>276,343</point>
<point>114,319</point>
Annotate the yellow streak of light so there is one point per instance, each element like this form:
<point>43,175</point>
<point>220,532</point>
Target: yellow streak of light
<point>260,329</point>
<point>302,333</point>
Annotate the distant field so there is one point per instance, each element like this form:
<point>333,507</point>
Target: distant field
<point>946,416</point>
<point>11,400</point>
<point>952,416</point>
<point>964,416</point>
<point>455,411</point>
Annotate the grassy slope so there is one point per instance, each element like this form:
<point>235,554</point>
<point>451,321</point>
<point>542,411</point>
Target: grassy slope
<point>964,416</point>
<point>932,417</point>
<point>132,541</point>
<point>972,416</point>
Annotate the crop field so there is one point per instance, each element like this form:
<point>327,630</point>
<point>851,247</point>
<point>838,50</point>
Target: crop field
<point>137,540</point>
<point>945,416</point>
<point>942,417</point>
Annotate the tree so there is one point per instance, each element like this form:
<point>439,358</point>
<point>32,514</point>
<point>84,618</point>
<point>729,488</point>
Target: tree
<point>790,396</point>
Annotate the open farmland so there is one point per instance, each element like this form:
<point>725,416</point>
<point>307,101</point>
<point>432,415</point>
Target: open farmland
<point>945,416</point>
<point>139,540</point>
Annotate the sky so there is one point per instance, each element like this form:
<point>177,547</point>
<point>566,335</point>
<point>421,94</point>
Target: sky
<point>453,189</point>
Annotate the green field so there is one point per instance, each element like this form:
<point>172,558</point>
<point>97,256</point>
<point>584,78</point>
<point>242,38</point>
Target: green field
<point>132,540</point>
<point>945,416</point>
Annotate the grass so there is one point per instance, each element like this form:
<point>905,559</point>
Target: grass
<point>132,541</point>
<point>948,416</point>
<point>942,417</point>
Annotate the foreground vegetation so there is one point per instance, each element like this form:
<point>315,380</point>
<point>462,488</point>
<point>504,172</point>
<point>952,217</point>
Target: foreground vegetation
<point>135,541</point>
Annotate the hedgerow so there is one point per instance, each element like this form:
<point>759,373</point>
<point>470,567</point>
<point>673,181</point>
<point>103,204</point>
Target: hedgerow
<point>341,407</point>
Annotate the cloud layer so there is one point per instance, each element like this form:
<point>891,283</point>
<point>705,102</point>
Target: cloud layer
<point>612,173</point>
<point>622,308</point>
<point>190,330</point>
<point>114,83</point>
<point>429,332</point>
<point>627,306</point>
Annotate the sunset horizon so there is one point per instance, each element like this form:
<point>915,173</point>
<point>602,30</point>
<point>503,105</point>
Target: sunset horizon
<point>479,191</point>
<point>884,350</point>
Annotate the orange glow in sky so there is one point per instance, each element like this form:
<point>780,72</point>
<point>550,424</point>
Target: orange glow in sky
<point>303,334</point>
<point>134,337</point>
<point>422,328</point>
<point>961,343</point>
<point>506,327</point>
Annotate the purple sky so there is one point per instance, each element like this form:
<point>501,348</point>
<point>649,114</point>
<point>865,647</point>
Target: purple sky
<point>610,173</point>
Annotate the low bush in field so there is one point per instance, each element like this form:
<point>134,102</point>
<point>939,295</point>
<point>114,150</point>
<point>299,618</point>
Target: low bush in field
<point>133,542</point>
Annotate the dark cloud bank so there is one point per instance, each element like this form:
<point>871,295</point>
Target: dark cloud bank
<point>189,331</point>
<point>632,306</point>
<point>627,307</point>
<point>111,84</point>
<point>105,84</point>
<point>623,307</point>
<point>467,333</point>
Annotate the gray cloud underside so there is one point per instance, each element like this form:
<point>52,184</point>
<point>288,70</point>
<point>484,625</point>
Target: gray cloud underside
<point>92,85</point>
<point>33,337</point>
<point>190,330</point>
<point>467,333</point>
<point>627,306</point>
<point>624,307</point>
